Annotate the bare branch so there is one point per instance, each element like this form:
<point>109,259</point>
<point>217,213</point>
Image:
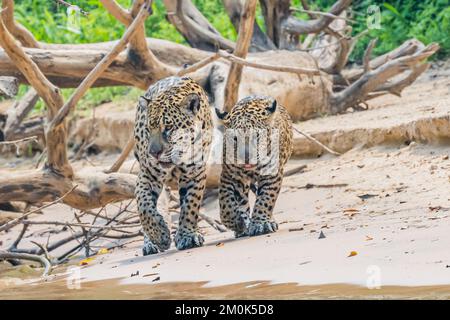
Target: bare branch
<point>311,138</point>
<point>397,87</point>
<point>199,65</point>
<point>18,31</point>
<point>116,10</point>
<point>375,79</point>
<point>409,47</point>
<point>243,62</point>
<point>325,14</point>
<point>333,47</point>
<point>242,46</point>
<point>30,128</point>
<point>260,41</point>
<point>367,54</point>
<point>305,6</point>
<point>294,171</point>
<point>26,256</point>
<point>15,142</point>
<point>215,224</point>
<point>19,238</point>
<point>294,26</point>
<point>82,225</point>
<point>123,156</point>
<point>15,222</point>
<point>19,110</point>
<point>195,27</point>
<point>346,48</point>
<point>139,54</point>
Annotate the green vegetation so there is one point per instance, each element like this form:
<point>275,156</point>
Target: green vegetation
<point>427,20</point>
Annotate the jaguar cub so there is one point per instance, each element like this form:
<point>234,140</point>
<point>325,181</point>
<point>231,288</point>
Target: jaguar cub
<point>257,145</point>
<point>172,139</point>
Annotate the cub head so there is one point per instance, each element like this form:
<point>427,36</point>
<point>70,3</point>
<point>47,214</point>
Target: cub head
<point>248,131</point>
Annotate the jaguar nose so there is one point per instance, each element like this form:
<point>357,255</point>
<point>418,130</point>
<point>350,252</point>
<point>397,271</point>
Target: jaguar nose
<point>155,150</point>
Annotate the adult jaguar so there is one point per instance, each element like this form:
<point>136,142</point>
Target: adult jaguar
<point>257,145</point>
<point>172,139</point>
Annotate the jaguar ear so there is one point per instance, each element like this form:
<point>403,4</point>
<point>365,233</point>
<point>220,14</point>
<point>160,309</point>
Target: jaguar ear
<point>221,115</point>
<point>193,103</point>
<point>271,109</point>
<point>144,100</point>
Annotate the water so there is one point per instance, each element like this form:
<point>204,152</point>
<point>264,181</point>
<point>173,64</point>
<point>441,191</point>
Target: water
<point>112,289</point>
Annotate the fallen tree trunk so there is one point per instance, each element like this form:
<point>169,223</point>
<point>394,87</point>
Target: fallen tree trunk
<point>304,96</point>
<point>94,188</point>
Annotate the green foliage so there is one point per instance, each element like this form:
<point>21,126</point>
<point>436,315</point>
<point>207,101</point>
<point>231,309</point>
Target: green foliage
<point>426,20</point>
<point>214,11</point>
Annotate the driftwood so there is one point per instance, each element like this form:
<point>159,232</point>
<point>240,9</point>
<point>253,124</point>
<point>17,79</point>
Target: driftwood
<point>309,78</point>
<point>242,46</point>
<point>26,256</point>
<point>116,228</point>
<point>57,177</point>
<point>18,220</point>
<point>18,111</point>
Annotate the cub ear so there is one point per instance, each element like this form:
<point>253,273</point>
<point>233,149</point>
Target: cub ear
<point>273,106</point>
<point>221,115</point>
<point>193,103</point>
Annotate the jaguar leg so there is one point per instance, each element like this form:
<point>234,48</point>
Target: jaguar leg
<point>157,234</point>
<point>234,205</point>
<point>262,217</point>
<point>191,193</point>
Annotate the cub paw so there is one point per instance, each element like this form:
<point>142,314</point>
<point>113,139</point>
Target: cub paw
<point>185,241</point>
<point>257,228</point>
<point>241,225</point>
<point>148,247</point>
<point>240,234</point>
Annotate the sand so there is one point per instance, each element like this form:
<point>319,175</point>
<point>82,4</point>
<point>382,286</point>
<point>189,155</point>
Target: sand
<point>372,223</point>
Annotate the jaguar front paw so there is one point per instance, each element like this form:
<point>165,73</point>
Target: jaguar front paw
<point>158,233</point>
<point>148,247</point>
<point>185,241</point>
<point>257,228</point>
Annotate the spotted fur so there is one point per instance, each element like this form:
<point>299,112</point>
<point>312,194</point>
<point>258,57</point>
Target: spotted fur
<point>173,111</point>
<point>253,114</point>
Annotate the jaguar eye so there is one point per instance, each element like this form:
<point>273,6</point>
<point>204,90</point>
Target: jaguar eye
<point>166,131</point>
